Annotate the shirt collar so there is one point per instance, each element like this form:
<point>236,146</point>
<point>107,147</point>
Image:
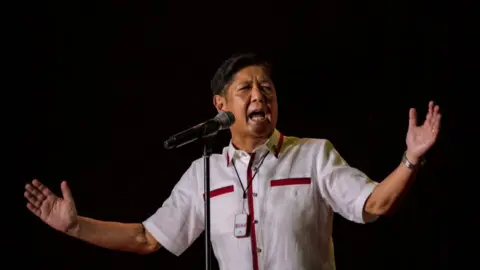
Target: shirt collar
<point>273,144</point>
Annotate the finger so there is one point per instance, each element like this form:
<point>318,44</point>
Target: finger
<point>67,194</point>
<point>428,118</point>
<point>33,209</point>
<point>436,124</point>
<point>435,116</point>
<point>32,199</point>
<point>436,110</point>
<point>430,106</point>
<point>33,191</point>
<point>46,191</point>
<point>412,121</point>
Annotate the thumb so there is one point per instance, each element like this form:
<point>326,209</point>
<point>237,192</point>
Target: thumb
<point>412,121</point>
<point>67,194</point>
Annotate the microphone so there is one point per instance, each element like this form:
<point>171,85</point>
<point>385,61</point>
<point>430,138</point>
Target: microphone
<point>221,121</point>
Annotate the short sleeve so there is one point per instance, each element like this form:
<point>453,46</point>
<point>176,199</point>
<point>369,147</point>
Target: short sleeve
<point>345,189</point>
<point>179,221</point>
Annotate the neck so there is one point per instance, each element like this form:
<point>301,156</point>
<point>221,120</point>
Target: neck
<point>247,144</point>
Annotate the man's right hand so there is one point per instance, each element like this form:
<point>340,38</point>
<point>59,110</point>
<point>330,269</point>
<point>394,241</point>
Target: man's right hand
<point>59,213</point>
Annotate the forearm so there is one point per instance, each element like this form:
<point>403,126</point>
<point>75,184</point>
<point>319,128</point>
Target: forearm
<point>387,193</point>
<point>130,237</point>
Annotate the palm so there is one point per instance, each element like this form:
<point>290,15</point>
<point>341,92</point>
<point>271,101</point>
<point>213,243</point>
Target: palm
<point>421,138</point>
<point>59,213</point>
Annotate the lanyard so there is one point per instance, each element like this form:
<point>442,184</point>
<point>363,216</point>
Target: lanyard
<point>251,180</point>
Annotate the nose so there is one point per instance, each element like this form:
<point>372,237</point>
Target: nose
<point>257,94</point>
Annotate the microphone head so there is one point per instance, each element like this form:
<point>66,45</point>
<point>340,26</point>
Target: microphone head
<point>225,119</point>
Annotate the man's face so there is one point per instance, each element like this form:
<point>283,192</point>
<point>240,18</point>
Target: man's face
<point>252,98</point>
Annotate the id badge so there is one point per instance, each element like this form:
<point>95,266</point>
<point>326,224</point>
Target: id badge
<point>241,225</point>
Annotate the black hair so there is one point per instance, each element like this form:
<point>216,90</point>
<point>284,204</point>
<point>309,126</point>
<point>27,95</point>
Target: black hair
<point>225,73</point>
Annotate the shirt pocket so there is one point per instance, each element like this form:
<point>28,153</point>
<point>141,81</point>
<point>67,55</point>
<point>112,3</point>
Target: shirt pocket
<point>291,187</point>
<point>222,209</point>
<point>292,194</point>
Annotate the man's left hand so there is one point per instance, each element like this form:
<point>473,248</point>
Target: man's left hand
<point>421,138</point>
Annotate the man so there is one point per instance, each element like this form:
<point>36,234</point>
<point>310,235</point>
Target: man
<point>272,196</point>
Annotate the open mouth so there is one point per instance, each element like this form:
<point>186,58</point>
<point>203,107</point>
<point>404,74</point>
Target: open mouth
<point>257,115</point>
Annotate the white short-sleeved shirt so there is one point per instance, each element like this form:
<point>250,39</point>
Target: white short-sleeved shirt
<point>290,202</point>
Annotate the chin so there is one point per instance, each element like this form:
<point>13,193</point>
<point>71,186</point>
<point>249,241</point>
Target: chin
<point>261,131</point>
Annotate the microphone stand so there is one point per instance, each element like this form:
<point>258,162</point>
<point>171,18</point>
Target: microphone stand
<point>207,151</point>
<point>210,130</point>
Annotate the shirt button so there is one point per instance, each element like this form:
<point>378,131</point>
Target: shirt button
<point>259,250</point>
<point>254,194</point>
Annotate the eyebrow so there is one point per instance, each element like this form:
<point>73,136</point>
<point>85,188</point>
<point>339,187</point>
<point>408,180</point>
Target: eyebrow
<point>249,81</point>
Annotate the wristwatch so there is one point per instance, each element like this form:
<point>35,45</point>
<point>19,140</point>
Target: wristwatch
<point>409,164</point>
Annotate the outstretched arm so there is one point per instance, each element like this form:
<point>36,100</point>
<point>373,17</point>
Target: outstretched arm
<point>419,140</point>
<point>61,214</point>
<point>130,237</point>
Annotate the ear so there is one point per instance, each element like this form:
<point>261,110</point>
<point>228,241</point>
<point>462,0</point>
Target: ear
<point>219,102</point>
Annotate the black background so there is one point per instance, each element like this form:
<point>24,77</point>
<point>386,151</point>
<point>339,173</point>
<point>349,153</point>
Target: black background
<point>102,85</point>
